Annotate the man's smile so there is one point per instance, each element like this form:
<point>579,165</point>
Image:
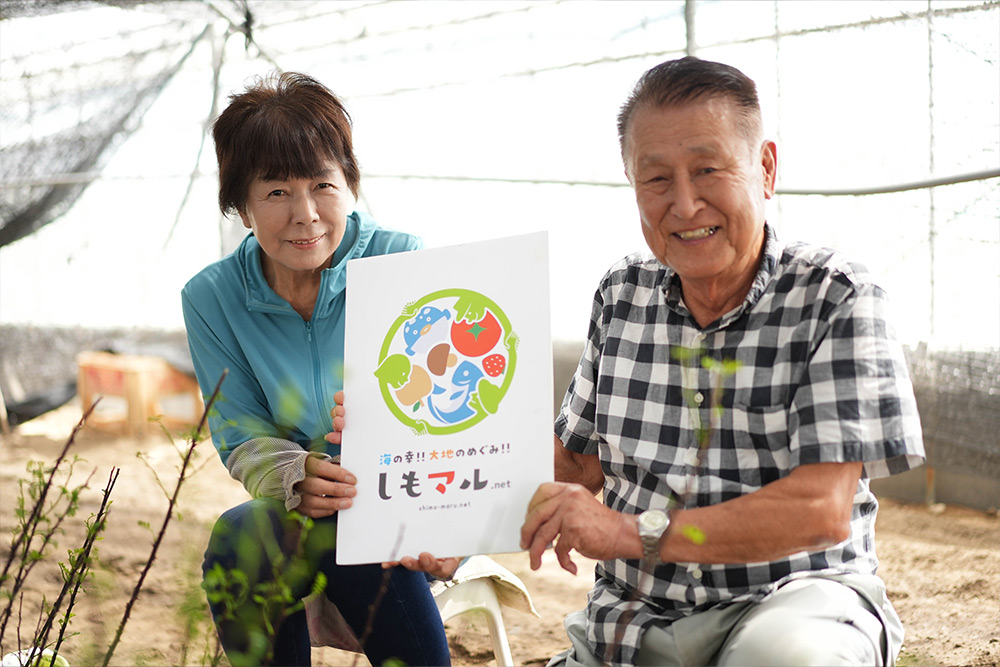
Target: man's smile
<point>695,234</point>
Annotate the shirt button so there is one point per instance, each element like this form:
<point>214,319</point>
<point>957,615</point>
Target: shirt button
<point>699,397</point>
<point>696,573</point>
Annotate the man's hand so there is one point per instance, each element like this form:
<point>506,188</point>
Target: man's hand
<point>326,489</point>
<point>442,568</point>
<point>571,513</point>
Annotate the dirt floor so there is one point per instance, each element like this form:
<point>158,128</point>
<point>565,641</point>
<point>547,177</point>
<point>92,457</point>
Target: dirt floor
<point>942,567</point>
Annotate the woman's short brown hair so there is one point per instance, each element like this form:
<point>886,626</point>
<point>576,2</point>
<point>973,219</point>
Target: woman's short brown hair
<point>284,125</point>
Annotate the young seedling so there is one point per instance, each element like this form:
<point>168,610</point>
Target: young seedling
<point>33,538</point>
<point>718,372</point>
<point>193,442</point>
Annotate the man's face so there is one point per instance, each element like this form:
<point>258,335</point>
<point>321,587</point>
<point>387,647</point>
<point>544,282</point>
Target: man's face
<point>700,186</point>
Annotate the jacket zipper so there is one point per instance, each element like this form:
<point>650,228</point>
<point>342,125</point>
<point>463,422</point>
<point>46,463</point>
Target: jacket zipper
<point>317,375</point>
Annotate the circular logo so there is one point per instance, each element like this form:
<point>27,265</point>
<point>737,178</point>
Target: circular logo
<point>447,361</point>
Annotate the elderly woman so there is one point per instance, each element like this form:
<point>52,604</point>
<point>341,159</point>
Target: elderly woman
<point>272,313</point>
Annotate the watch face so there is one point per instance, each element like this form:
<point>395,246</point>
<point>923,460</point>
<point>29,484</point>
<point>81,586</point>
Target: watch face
<point>653,520</point>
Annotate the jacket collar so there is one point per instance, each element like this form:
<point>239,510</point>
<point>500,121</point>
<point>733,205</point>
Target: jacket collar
<point>259,295</point>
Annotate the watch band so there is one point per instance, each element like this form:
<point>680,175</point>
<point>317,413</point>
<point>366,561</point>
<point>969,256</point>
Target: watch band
<point>652,525</point>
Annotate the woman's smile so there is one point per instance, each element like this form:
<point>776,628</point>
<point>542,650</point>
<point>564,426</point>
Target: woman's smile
<point>307,242</point>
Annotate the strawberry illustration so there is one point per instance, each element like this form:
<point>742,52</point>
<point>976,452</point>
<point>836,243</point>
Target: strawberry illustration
<point>494,365</point>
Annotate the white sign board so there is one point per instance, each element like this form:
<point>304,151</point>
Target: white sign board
<point>448,390</point>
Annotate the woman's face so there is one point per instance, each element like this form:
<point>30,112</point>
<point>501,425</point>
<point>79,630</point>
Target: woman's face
<point>298,222</point>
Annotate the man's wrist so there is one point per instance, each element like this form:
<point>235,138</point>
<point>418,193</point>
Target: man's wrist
<point>652,526</point>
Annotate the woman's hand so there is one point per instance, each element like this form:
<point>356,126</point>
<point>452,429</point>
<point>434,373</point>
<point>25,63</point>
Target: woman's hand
<point>442,568</point>
<point>326,489</point>
<point>337,415</point>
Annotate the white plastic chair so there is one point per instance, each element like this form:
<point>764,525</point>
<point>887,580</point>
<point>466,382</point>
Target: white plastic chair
<point>482,585</point>
<point>478,595</point>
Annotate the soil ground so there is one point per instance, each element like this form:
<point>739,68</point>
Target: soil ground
<point>941,564</point>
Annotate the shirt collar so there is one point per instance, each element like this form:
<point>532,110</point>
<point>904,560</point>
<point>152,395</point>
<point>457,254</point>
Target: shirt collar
<point>765,271</point>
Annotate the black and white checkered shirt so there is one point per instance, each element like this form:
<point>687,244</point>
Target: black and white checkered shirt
<point>821,378</point>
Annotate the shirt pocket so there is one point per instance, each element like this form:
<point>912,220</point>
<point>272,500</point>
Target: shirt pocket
<point>757,439</point>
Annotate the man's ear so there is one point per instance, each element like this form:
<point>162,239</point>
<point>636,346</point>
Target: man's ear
<point>769,166</point>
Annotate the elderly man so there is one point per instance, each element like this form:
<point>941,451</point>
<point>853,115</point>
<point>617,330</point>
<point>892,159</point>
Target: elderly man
<point>734,397</point>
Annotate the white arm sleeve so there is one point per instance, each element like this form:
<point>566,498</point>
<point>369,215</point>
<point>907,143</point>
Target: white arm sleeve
<point>271,467</point>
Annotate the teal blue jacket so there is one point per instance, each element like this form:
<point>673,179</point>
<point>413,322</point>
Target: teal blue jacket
<point>283,371</point>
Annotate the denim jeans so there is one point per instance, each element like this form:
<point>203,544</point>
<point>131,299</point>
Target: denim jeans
<point>256,539</point>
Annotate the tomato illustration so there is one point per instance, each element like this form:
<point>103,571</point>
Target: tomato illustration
<point>494,364</point>
<point>478,338</point>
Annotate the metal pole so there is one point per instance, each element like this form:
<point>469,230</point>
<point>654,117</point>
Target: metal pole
<point>931,229</point>
<point>691,47</point>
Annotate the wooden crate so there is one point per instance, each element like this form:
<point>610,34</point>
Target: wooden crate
<point>141,383</point>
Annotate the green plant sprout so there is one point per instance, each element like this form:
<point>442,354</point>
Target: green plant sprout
<point>718,372</point>
<point>690,359</point>
<point>183,475</point>
<point>275,599</point>
<point>34,536</point>
<point>40,519</point>
<point>43,507</point>
<point>192,614</point>
<point>78,570</point>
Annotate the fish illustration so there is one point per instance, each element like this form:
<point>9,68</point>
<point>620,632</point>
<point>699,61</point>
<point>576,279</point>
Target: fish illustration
<point>451,405</point>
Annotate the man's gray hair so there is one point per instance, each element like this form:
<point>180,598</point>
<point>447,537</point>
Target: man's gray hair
<point>687,79</point>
